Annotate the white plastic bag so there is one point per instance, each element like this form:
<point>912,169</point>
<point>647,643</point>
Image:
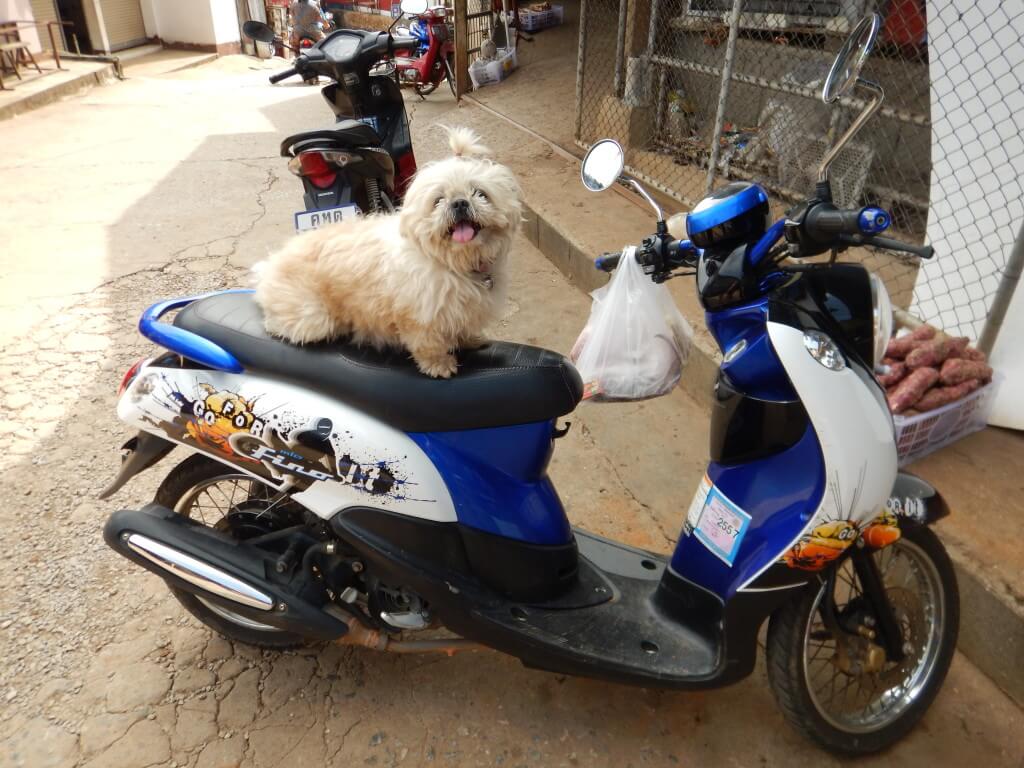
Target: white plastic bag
<point>636,342</point>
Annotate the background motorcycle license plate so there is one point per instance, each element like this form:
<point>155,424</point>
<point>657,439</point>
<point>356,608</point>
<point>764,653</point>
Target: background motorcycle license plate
<point>315,219</point>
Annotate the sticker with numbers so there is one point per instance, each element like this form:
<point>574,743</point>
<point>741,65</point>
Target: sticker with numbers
<point>720,526</point>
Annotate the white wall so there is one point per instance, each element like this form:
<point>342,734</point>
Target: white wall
<point>225,21</point>
<point>976,53</point>
<point>196,22</point>
<point>21,10</point>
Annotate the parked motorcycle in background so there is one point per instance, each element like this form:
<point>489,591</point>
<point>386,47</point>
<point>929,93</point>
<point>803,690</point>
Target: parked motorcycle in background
<point>336,494</point>
<point>364,162</point>
<point>434,57</point>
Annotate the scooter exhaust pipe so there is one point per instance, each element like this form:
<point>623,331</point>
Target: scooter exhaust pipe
<point>211,565</point>
<point>194,571</point>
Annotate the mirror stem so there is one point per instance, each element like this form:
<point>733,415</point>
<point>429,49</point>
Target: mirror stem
<point>645,196</point>
<point>878,94</point>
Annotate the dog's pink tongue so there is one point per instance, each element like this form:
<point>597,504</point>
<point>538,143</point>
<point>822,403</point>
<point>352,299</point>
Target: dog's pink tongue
<point>463,233</point>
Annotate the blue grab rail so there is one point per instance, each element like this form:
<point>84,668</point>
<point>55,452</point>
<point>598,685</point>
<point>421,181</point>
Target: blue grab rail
<point>185,343</point>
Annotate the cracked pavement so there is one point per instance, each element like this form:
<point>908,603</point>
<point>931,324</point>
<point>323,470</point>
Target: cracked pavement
<point>168,186</point>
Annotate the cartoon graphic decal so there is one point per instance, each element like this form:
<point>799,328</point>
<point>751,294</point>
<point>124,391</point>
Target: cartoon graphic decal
<point>882,531</point>
<point>289,451</point>
<point>821,545</point>
<point>217,416</point>
<point>826,542</point>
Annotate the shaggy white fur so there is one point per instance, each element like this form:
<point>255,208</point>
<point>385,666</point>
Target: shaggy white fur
<point>428,278</point>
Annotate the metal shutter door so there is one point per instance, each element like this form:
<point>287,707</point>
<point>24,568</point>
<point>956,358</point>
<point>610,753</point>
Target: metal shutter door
<point>44,11</point>
<point>123,19</point>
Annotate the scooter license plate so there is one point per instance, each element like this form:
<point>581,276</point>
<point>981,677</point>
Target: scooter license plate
<point>315,219</point>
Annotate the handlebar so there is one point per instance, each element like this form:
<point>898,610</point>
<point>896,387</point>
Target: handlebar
<point>283,75</point>
<point>824,224</point>
<point>923,251</point>
<point>824,221</point>
<point>607,262</point>
<point>677,253</point>
<point>404,43</point>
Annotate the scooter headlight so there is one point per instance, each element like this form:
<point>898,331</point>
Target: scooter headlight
<point>881,310</point>
<point>824,350</point>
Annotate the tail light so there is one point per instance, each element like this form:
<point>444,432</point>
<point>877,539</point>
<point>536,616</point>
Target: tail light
<point>305,43</point>
<point>129,376</point>
<point>406,170</point>
<point>316,166</point>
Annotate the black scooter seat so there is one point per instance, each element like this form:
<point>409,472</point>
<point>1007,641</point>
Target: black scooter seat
<point>346,134</point>
<point>500,384</point>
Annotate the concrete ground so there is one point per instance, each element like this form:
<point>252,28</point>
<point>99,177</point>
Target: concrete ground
<point>172,185</point>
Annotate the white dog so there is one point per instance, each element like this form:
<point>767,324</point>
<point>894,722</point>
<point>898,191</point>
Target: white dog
<point>428,278</point>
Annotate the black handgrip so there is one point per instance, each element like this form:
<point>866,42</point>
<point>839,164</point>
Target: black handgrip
<point>925,252</point>
<point>607,262</point>
<point>824,222</point>
<point>283,75</point>
<point>404,43</point>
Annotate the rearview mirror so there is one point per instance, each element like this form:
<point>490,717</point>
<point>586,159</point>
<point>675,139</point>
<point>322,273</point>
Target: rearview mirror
<point>414,7</point>
<point>850,59</point>
<point>602,165</point>
<point>258,31</point>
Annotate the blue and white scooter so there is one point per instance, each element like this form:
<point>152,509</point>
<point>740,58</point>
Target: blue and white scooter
<point>335,494</point>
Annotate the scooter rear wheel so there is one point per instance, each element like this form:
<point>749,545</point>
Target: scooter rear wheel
<point>210,493</point>
<point>859,711</point>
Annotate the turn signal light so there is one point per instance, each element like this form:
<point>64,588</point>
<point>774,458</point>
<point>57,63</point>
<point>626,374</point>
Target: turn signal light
<point>129,376</point>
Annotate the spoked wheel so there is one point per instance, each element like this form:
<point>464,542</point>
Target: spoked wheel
<point>837,684</point>
<point>235,503</point>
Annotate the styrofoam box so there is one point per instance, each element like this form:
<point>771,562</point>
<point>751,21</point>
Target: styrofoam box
<point>486,72</point>
<point>531,21</point>
<point>919,435</point>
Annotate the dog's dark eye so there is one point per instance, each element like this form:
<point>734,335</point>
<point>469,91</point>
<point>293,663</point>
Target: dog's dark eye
<point>438,201</point>
<point>482,194</point>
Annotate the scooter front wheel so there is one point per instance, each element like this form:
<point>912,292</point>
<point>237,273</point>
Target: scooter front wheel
<point>842,691</point>
<point>211,494</point>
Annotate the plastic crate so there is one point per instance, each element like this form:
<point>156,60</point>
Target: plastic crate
<point>486,72</point>
<point>919,435</point>
<point>532,21</point>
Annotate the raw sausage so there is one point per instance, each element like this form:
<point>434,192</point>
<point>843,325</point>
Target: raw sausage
<point>957,371</point>
<point>897,370</point>
<point>899,348</point>
<point>923,333</point>
<point>910,390</point>
<point>930,353</point>
<point>940,396</point>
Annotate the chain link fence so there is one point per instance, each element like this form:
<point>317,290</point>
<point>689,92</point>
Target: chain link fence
<point>700,92</point>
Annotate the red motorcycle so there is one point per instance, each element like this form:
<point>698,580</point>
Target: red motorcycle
<point>434,59</point>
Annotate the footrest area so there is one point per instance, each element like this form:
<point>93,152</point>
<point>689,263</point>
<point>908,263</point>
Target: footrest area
<point>627,638</point>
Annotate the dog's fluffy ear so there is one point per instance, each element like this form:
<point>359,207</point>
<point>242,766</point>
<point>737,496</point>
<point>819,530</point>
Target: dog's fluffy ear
<point>465,143</point>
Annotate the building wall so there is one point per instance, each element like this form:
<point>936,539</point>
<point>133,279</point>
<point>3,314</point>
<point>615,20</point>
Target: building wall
<point>44,11</point>
<point>208,25</point>
<point>21,10</point>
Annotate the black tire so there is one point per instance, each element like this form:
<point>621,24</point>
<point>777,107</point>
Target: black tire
<point>787,670</point>
<point>193,471</point>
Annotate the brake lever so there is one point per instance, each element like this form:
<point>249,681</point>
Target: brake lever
<point>922,251</point>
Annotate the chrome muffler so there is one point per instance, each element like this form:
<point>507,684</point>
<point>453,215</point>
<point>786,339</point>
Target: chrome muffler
<point>194,571</point>
<point>211,565</point>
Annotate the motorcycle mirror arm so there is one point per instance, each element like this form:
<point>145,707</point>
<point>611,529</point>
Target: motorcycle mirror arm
<point>650,200</point>
<point>866,114</point>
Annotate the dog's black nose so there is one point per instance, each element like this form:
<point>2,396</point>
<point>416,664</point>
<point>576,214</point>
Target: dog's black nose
<point>460,207</point>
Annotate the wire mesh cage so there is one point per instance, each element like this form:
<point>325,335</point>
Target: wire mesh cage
<point>701,92</point>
